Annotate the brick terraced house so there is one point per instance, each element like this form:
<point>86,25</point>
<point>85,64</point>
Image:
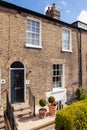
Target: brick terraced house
<point>40,52</point>
<point>37,50</point>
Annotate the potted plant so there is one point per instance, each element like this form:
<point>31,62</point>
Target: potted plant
<point>42,110</point>
<point>52,105</point>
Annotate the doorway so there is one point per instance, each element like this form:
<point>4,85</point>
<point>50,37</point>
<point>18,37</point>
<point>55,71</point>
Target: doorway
<point>17,82</point>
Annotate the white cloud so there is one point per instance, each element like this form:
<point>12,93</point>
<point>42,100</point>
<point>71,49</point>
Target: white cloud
<point>64,3</point>
<point>67,11</point>
<point>83,16</point>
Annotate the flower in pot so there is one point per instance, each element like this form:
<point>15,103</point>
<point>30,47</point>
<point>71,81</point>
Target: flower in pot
<point>42,110</point>
<point>52,105</point>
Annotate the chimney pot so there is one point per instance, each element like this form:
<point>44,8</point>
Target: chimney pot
<point>54,7</point>
<point>48,9</point>
<point>53,4</point>
<point>53,12</point>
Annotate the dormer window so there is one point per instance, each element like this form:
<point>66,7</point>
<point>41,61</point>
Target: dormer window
<point>33,33</point>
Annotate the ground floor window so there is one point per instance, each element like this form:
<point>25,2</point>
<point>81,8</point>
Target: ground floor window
<point>57,75</point>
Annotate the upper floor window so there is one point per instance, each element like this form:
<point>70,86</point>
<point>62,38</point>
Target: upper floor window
<point>66,40</point>
<point>33,38</point>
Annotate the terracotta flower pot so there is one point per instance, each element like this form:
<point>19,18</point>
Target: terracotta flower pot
<point>52,109</point>
<point>42,113</point>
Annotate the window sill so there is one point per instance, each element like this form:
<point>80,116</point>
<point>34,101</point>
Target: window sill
<point>33,46</point>
<point>70,51</point>
<point>61,89</point>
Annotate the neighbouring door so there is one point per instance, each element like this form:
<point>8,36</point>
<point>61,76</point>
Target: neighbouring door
<point>17,82</point>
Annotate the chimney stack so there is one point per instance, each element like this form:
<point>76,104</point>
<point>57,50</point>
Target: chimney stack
<point>53,12</point>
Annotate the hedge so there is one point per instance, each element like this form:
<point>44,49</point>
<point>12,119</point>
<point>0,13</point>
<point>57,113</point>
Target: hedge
<point>73,117</point>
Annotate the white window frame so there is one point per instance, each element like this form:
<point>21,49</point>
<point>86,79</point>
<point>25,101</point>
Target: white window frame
<point>65,49</point>
<point>31,45</point>
<point>63,76</point>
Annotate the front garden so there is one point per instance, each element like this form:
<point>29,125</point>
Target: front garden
<point>73,117</point>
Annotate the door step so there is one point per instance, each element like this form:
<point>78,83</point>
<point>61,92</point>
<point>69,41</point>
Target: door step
<point>23,112</point>
<point>21,106</point>
<point>21,109</point>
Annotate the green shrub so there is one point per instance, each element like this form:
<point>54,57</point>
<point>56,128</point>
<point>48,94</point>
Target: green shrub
<point>51,99</point>
<point>42,102</point>
<point>73,117</point>
<point>81,94</point>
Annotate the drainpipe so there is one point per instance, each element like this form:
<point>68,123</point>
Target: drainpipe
<point>80,59</point>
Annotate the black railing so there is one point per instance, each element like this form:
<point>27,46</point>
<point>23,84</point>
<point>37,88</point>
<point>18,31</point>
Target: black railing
<point>32,101</point>
<point>10,114</point>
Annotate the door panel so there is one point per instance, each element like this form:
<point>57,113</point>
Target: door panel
<point>17,85</point>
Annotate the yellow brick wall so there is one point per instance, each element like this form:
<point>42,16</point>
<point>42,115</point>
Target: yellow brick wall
<point>38,62</point>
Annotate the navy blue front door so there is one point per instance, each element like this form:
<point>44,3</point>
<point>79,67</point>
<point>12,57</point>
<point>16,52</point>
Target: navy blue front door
<point>17,85</point>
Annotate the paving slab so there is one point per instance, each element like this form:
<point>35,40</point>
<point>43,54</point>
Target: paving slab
<point>34,123</point>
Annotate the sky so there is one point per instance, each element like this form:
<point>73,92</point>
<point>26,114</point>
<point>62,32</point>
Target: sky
<point>70,10</point>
